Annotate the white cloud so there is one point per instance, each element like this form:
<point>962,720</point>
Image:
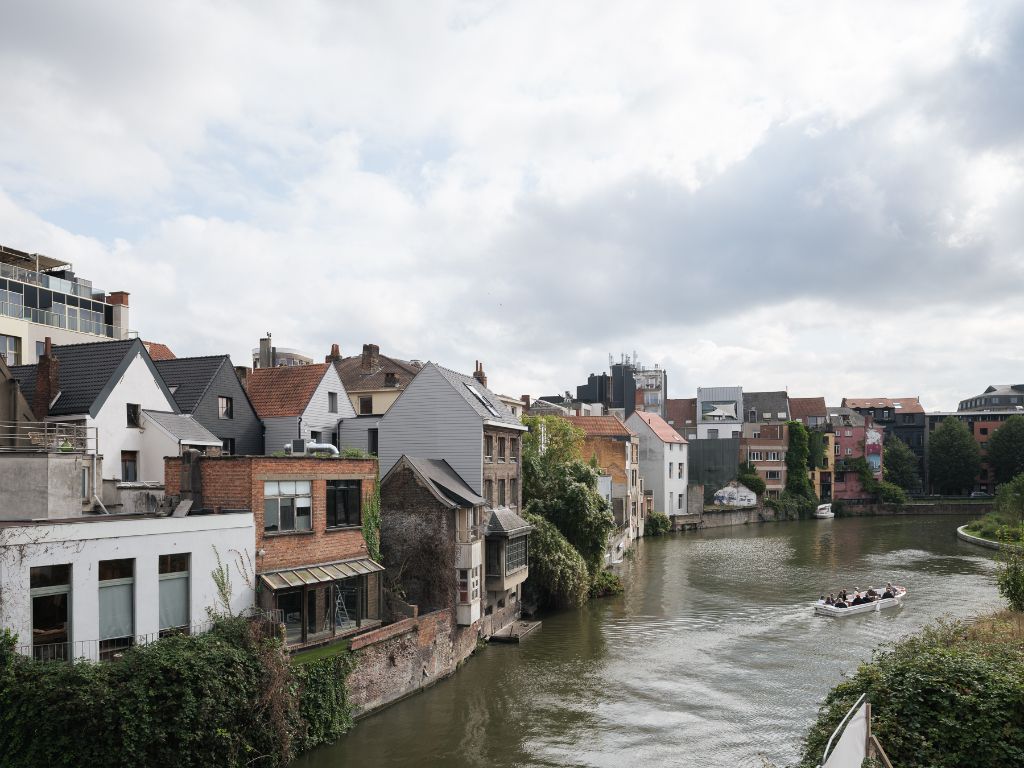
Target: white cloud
<point>765,194</point>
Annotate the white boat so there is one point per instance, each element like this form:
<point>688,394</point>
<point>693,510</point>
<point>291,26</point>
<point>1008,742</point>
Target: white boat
<point>872,607</point>
<point>824,512</point>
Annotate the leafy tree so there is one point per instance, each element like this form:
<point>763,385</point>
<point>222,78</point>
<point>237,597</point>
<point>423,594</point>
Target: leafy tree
<point>1010,501</point>
<point>900,465</point>
<point>1006,449</point>
<point>657,524</point>
<point>890,493</point>
<point>954,458</point>
<point>580,513</point>
<point>551,442</point>
<point>748,476</point>
<point>798,483</point>
<point>558,575</point>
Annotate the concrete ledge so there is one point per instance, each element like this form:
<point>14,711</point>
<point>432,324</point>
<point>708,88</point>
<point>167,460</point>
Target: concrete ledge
<point>964,536</point>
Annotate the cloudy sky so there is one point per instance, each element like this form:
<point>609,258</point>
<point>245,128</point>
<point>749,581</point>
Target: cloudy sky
<point>820,196</point>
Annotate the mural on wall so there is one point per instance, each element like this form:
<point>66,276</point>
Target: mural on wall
<point>735,495</point>
<point>873,449</point>
<point>717,411</point>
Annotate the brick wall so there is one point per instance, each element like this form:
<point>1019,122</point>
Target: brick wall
<point>236,482</point>
<point>404,657</point>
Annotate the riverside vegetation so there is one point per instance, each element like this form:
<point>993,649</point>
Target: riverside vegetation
<point>229,697</point>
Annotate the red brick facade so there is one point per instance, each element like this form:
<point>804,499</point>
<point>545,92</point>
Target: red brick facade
<point>236,482</point>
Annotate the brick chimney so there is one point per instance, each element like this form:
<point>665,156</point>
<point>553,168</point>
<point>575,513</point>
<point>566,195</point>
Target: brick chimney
<point>335,355</point>
<point>47,381</point>
<point>526,402</point>
<point>371,357</point>
<point>118,298</point>
<point>479,374</point>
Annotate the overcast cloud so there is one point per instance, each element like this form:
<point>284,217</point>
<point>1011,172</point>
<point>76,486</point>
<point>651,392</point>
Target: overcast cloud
<point>824,197</point>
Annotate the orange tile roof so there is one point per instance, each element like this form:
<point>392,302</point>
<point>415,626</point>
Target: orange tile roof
<point>661,427</point>
<point>158,351</point>
<point>681,411</point>
<point>902,404</point>
<point>284,391</point>
<point>600,426</point>
<point>803,407</point>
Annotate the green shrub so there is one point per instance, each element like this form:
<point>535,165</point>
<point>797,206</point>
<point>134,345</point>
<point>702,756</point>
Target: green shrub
<point>558,573</point>
<point>789,506</point>
<point>890,493</point>
<point>222,698</point>
<point>952,696</point>
<point>323,699</point>
<point>606,584</point>
<point>753,482</point>
<point>657,524</point>
<point>1010,573</point>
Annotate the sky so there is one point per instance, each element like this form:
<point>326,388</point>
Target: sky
<point>819,197</point>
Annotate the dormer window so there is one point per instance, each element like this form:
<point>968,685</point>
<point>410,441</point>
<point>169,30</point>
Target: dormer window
<point>390,379</point>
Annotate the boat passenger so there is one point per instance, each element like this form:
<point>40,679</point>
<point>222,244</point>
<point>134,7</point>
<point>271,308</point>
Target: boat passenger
<point>857,599</point>
<point>840,603</point>
<point>831,600</point>
<point>871,593</point>
<point>821,600</point>
<point>888,594</point>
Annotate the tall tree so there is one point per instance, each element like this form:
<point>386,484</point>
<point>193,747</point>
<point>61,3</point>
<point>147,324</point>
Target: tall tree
<point>900,466</point>
<point>551,442</point>
<point>571,501</point>
<point>1006,449</point>
<point>954,458</point>
<point>798,482</point>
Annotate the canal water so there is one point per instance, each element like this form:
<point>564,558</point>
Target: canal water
<point>711,658</point>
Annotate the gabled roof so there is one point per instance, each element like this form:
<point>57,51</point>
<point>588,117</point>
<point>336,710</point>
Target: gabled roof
<point>901,404</point>
<point>660,427</point>
<point>806,407</point>
<point>158,351</point>
<point>600,426</point>
<point>446,484</point>
<point>681,412</point>
<point>190,377</point>
<point>183,428</point>
<point>845,417</point>
<point>355,379</point>
<point>87,374</point>
<point>504,522</point>
<point>772,403</point>
<point>284,391</point>
<point>23,408</point>
<point>479,397</point>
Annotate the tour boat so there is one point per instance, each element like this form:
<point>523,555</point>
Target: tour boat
<point>824,511</point>
<point>874,605</point>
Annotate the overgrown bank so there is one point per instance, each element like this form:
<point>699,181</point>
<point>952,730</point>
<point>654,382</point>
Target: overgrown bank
<point>229,697</point>
<point>951,696</point>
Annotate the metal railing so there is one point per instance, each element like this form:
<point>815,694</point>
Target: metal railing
<point>47,437</point>
<point>56,320</point>
<point>80,288</point>
<point>467,535</point>
<point>105,650</point>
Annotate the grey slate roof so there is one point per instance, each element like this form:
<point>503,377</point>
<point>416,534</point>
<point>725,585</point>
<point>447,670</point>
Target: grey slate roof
<point>192,376</point>
<point>183,427</point>
<point>773,403</point>
<point>504,522</point>
<point>842,416</point>
<point>446,481</point>
<point>465,385</point>
<point>87,374</point>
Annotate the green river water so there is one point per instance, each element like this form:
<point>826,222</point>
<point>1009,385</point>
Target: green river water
<point>712,657</point>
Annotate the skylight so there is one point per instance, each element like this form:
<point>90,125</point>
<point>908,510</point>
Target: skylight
<point>483,400</point>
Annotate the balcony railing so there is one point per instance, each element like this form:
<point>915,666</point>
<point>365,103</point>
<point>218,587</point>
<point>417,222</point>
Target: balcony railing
<point>55,320</point>
<point>47,437</point>
<point>82,289</point>
<point>464,535</point>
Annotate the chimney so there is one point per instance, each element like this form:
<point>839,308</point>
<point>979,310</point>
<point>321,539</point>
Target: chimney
<point>47,381</point>
<point>242,372</point>
<point>335,355</point>
<point>266,356</point>
<point>479,374</point>
<point>118,298</point>
<point>526,402</point>
<point>371,357</point>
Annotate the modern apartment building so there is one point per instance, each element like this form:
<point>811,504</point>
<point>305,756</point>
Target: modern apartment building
<point>42,297</point>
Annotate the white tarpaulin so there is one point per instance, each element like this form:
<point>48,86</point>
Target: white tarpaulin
<point>852,747</point>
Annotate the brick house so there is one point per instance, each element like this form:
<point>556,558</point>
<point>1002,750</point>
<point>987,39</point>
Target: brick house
<point>424,503</point>
<point>764,446</point>
<point>854,438</point>
<point>617,450</point>
<point>312,564</point>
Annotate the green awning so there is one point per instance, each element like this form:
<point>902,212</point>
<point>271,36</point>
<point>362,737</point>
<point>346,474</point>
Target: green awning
<point>320,574</point>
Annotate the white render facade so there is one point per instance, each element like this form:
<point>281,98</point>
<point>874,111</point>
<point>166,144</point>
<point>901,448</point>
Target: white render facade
<point>663,463</point>
<point>57,600</point>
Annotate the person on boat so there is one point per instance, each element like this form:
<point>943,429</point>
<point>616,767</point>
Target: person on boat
<point>821,600</point>
<point>890,592</point>
<point>831,599</point>
<point>871,593</point>
<point>840,603</point>
<point>857,599</point>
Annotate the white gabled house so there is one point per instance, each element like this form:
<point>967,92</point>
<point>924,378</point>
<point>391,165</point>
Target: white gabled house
<point>663,461</point>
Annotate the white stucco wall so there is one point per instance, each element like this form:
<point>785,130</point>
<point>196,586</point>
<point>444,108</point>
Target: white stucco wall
<point>137,385</point>
<point>659,467</point>
<point>84,544</point>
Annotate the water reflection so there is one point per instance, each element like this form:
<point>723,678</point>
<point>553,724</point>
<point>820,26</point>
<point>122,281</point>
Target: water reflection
<point>711,656</point>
